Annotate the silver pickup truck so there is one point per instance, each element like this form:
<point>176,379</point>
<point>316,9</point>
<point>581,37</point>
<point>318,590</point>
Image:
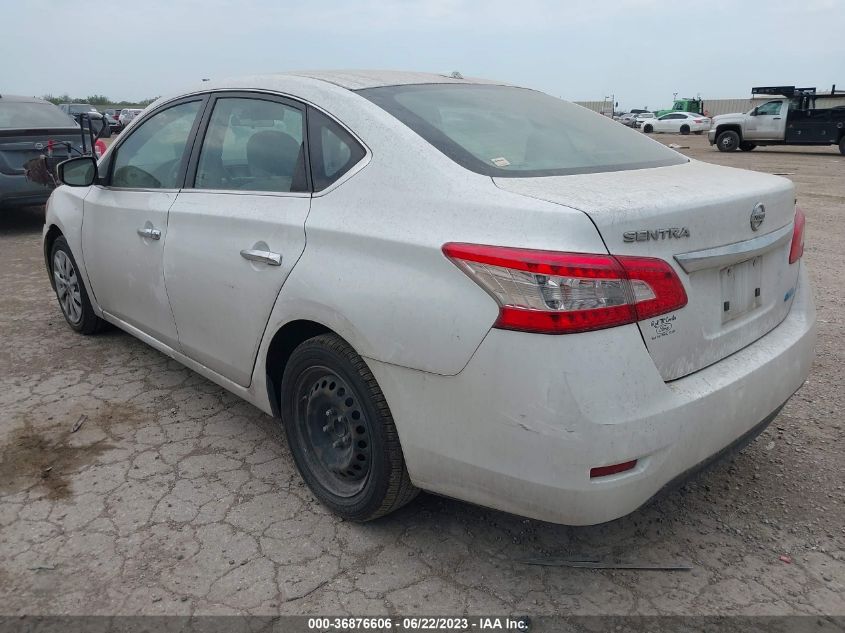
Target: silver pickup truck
<point>790,120</point>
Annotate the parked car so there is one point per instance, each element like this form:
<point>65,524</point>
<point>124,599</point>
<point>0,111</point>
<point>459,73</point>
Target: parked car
<point>628,119</point>
<point>503,297</point>
<point>642,116</point>
<point>127,114</point>
<point>29,128</point>
<point>91,114</point>
<point>112,115</point>
<point>677,123</point>
<point>114,125</point>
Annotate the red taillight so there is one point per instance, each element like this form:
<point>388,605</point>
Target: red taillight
<point>604,471</point>
<point>797,248</point>
<point>698,121</point>
<point>560,293</point>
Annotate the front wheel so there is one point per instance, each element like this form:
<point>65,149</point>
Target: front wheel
<point>648,129</point>
<point>70,291</point>
<point>341,432</point>
<point>727,141</point>
<point>745,146</point>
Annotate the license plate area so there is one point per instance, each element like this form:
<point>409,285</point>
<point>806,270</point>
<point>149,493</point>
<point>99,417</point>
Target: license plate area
<point>741,288</point>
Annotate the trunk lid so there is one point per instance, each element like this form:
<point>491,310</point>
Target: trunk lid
<point>696,217</point>
<point>19,146</point>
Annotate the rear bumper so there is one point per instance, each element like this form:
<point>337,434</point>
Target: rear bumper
<point>17,191</point>
<point>522,425</point>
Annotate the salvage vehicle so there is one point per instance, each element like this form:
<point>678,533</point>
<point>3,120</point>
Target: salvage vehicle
<point>792,120</point>
<point>677,123</point>
<point>446,284</point>
<point>32,128</point>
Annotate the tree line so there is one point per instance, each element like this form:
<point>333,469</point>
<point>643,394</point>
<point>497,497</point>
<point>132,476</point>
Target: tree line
<point>98,100</point>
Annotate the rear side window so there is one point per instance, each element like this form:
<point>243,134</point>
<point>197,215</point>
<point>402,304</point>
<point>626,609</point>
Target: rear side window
<point>514,132</point>
<point>333,150</point>
<point>252,145</point>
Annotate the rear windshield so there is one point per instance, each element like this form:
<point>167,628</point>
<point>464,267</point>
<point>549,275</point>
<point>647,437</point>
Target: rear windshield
<point>23,114</point>
<point>504,131</point>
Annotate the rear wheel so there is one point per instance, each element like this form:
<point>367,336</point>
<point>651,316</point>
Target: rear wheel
<point>745,146</point>
<point>341,432</point>
<point>727,141</point>
<point>648,129</point>
<point>685,129</point>
<point>70,291</point>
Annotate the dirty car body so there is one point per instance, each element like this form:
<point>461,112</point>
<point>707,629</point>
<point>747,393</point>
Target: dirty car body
<point>562,315</point>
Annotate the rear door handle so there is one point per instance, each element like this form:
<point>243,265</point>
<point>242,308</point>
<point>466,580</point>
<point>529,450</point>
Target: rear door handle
<point>265,257</point>
<point>150,233</point>
<point>777,118</point>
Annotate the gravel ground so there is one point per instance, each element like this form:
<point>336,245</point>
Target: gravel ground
<point>175,497</point>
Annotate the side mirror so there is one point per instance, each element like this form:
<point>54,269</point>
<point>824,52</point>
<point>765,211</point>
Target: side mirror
<point>78,172</point>
<point>754,112</point>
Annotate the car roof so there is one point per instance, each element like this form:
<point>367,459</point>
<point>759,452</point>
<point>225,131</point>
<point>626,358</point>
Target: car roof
<point>22,99</point>
<point>360,79</point>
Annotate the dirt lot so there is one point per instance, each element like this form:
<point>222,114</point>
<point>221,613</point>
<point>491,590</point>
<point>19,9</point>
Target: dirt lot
<point>175,497</point>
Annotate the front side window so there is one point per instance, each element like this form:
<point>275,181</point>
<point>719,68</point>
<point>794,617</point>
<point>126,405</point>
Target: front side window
<point>252,145</point>
<point>333,150</point>
<point>515,132</point>
<point>152,156</point>
<point>770,108</point>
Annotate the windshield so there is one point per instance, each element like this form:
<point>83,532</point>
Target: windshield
<point>515,132</point>
<point>32,114</point>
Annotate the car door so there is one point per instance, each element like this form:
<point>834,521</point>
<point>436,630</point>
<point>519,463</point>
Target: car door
<point>237,229</point>
<point>768,122</point>
<point>125,218</point>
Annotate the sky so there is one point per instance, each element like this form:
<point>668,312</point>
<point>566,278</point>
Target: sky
<point>640,51</point>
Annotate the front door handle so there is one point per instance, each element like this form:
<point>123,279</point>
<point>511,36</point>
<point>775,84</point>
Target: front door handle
<point>150,233</point>
<point>265,257</point>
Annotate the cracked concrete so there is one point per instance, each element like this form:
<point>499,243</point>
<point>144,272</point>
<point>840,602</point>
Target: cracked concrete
<point>175,497</point>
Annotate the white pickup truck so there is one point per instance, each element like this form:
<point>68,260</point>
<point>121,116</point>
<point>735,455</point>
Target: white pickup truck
<point>791,120</point>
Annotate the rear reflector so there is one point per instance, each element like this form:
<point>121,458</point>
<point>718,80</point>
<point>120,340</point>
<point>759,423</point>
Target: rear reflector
<point>797,248</point>
<point>604,471</point>
<point>560,293</point>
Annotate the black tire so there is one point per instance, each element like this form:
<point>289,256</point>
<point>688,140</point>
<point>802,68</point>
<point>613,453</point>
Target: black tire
<point>648,129</point>
<point>727,141</point>
<point>71,292</point>
<point>341,432</point>
<point>685,129</point>
<point>747,146</point>
<point>842,146</point>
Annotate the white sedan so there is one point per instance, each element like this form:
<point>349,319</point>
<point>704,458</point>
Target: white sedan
<point>677,123</point>
<point>455,285</point>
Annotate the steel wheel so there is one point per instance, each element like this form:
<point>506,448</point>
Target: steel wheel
<point>67,287</point>
<point>334,430</point>
<point>341,432</point>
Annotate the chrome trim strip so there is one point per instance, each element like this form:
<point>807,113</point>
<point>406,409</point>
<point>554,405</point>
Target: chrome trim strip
<point>729,254</point>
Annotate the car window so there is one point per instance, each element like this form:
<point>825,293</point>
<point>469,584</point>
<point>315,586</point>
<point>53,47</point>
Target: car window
<point>151,157</point>
<point>24,114</point>
<point>505,131</point>
<point>333,150</point>
<point>252,145</point>
<point>772,107</point>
